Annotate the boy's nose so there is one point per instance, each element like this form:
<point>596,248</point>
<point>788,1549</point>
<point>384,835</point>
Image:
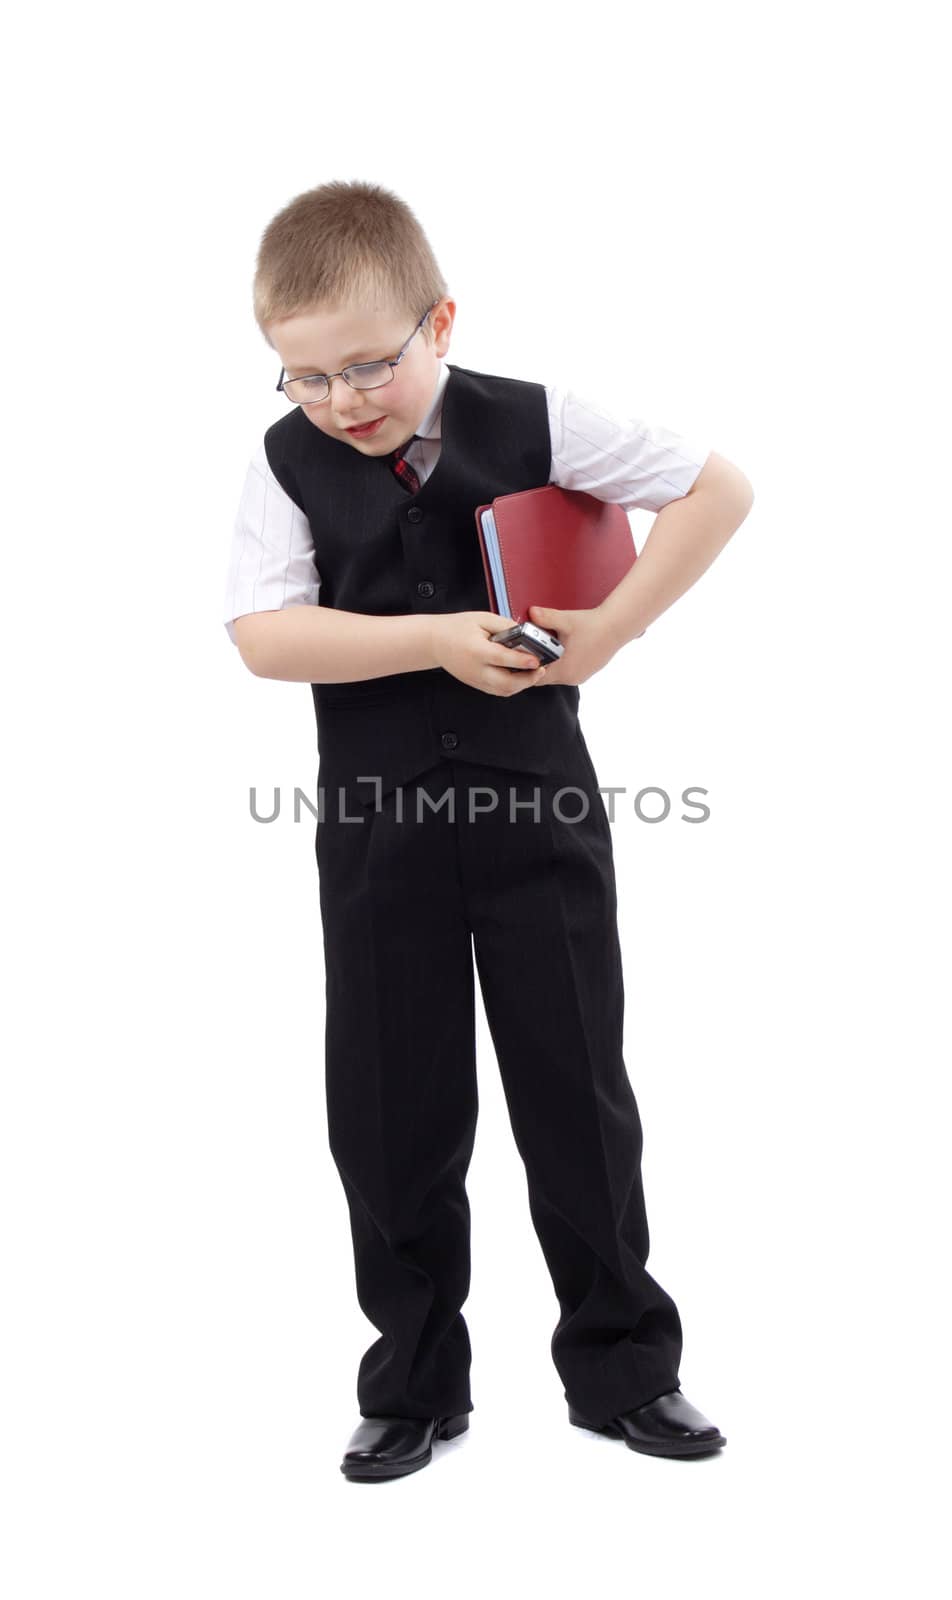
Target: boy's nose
<point>344,400</point>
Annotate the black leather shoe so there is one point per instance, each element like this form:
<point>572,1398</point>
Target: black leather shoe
<point>388,1447</point>
<point>667,1426</point>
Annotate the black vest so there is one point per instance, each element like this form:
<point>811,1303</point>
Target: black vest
<point>382,551</point>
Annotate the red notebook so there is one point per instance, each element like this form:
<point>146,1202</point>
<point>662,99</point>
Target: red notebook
<point>558,547</point>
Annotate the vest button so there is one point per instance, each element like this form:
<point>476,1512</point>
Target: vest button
<point>426,589</point>
<point>449,741</point>
<point>414,514</point>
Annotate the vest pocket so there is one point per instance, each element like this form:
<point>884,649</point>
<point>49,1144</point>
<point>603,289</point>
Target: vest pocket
<point>358,703</point>
<point>370,691</point>
<point>373,695</point>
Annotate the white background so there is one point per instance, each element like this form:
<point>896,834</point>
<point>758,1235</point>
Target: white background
<point>725,219</point>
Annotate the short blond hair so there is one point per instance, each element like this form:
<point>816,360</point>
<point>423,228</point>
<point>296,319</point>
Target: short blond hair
<point>343,242</point>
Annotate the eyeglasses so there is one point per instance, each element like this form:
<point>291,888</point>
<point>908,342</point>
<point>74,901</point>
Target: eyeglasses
<point>311,390</point>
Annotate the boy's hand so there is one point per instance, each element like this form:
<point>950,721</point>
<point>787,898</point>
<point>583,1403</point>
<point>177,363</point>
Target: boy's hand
<point>463,647</point>
<point>588,644</point>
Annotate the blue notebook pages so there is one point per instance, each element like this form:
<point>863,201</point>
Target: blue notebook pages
<point>495,562</point>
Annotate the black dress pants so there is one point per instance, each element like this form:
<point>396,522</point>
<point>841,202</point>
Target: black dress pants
<point>404,904</point>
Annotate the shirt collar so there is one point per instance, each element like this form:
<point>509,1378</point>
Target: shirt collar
<point>429,428</point>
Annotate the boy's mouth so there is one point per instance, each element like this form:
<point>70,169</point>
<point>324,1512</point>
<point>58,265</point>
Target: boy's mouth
<point>366,429</point>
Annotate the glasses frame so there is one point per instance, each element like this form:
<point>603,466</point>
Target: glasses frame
<point>391,361</point>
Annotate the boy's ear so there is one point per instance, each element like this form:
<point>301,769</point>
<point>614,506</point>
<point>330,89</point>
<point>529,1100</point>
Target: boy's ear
<point>445,311</point>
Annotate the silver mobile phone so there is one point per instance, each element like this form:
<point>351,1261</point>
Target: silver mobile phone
<point>526,636</point>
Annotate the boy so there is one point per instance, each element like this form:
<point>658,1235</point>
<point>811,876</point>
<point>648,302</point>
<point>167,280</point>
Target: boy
<point>445,762</point>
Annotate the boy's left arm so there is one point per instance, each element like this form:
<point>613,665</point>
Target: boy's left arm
<point>683,540</point>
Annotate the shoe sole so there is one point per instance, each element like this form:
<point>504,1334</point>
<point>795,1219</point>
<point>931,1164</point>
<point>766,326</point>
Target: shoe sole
<point>661,1447</point>
<point>446,1428</point>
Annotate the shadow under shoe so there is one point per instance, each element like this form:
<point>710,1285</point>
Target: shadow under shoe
<point>390,1447</point>
<point>667,1426</point>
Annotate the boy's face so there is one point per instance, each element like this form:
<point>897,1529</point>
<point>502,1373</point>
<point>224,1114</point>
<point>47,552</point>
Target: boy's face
<point>326,341</point>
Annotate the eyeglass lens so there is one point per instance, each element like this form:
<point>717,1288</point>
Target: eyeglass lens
<point>369,376</point>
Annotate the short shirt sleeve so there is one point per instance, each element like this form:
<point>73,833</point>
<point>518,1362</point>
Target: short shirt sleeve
<point>633,463</point>
<point>272,550</point>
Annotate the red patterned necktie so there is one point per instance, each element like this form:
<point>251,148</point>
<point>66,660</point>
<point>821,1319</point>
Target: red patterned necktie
<point>402,470</point>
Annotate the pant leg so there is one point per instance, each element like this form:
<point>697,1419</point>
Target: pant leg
<point>541,899</point>
<point>401,1088</point>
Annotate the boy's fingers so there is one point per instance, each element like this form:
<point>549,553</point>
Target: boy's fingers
<point>503,657</point>
<point>524,681</point>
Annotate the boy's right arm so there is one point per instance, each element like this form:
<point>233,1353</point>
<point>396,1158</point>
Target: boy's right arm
<point>319,644</point>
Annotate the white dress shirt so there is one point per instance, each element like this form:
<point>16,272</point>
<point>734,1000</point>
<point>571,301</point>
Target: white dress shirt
<point>626,461</point>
